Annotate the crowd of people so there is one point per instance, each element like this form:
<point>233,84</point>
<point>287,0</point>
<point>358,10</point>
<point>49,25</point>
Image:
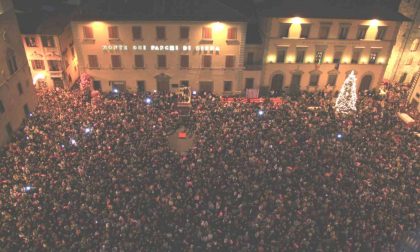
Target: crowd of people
<point>261,177</point>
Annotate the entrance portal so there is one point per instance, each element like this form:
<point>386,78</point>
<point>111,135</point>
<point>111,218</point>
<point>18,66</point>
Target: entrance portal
<point>277,83</point>
<point>365,84</point>
<point>162,82</point>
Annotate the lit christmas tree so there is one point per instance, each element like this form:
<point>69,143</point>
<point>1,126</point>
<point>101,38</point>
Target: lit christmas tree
<point>346,101</point>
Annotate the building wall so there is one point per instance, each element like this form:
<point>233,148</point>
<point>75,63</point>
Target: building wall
<point>128,73</point>
<point>69,57</point>
<point>273,41</point>
<point>12,100</point>
<point>405,60</point>
<point>38,52</point>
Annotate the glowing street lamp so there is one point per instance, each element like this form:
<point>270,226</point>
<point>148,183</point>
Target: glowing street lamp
<point>217,27</point>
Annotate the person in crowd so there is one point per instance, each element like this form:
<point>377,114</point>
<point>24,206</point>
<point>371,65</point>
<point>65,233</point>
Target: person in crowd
<point>101,176</point>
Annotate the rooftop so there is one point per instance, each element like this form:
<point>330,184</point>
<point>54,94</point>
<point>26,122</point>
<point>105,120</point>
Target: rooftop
<point>334,9</point>
<point>47,19</point>
<point>166,10</point>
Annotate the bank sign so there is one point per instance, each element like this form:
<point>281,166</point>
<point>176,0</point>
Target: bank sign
<point>162,48</point>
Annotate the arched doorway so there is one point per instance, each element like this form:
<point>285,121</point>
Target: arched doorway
<point>277,83</point>
<point>162,82</point>
<point>295,84</point>
<point>365,83</point>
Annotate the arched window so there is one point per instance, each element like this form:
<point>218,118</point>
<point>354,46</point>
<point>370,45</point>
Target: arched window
<point>414,45</point>
<point>277,83</point>
<point>366,82</point>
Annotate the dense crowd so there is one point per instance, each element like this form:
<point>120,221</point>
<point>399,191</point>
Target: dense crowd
<point>261,177</point>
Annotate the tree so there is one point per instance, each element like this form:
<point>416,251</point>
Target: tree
<point>346,101</point>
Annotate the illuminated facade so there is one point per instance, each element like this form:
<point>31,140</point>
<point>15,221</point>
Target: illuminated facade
<point>404,66</point>
<point>169,46</point>
<point>50,52</point>
<point>17,96</point>
<point>318,53</point>
<point>161,55</point>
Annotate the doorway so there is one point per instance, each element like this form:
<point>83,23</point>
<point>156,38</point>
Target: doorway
<point>58,83</point>
<point>162,83</point>
<point>365,83</point>
<point>277,83</point>
<point>206,86</point>
<point>118,86</point>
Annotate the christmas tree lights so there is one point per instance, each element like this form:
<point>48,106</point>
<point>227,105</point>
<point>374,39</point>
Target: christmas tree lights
<point>347,98</point>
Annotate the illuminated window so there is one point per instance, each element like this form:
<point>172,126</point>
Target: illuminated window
<point>184,32</point>
<point>284,30</point>
<point>373,56</point>
<point>230,61</point>
<point>113,32</point>
<point>30,41</point>
<point>137,33</point>
<point>361,32</point>
<point>185,61</point>
<point>281,54</point>
<point>381,32</point>
<point>314,79</point>
<point>116,61</point>
<point>332,79</point>
<point>11,61</point>
<point>93,61</point>
<point>357,52</point>
<point>344,31</point>
<point>37,64</point>
<point>161,59</point>
<point>19,88</point>
<point>232,33</point>
<point>414,45</point>
<point>306,28</point>
<point>207,61</point>
<point>54,65</point>
<point>87,32</point>
<point>324,30</point>
<point>138,61</point>
<point>300,54</point>
<point>227,86</point>
<point>48,41</point>
<point>207,33</point>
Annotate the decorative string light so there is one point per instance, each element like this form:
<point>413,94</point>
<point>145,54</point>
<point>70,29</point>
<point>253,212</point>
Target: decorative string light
<point>347,98</point>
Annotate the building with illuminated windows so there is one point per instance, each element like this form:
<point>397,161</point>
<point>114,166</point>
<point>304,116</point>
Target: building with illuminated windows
<point>17,95</point>
<point>48,42</point>
<point>281,47</point>
<point>311,48</point>
<point>162,46</point>
<point>404,66</point>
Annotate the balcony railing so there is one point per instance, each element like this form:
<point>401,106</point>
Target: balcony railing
<point>253,66</point>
